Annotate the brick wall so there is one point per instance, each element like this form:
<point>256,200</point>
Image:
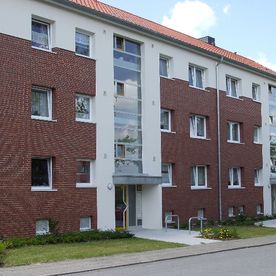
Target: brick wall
<point>184,152</point>
<point>22,137</point>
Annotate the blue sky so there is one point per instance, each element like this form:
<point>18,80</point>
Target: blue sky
<point>243,26</point>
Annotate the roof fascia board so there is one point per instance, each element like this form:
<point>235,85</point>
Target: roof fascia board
<point>155,35</point>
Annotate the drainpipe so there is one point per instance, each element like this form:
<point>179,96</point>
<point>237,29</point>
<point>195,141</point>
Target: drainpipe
<point>219,141</point>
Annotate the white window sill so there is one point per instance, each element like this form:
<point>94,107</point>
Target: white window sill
<point>42,233</point>
<point>258,185</point>
<point>39,118</point>
<point>257,101</point>
<point>85,186</point>
<point>200,188</point>
<point>168,186</point>
<point>85,229</point>
<point>166,77</point>
<point>199,88</point>
<point>84,121</point>
<point>44,50</point>
<point>167,131</point>
<point>88,57</point>
<point>200,138</point>
<point>257,143</point>
<point>235,188</point>
<point>236,98</point>
<point>235,142</point>
<point>40,189</point>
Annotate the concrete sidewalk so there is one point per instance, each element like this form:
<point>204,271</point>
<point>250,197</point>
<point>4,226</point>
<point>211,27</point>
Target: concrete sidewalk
<point>61,268</point>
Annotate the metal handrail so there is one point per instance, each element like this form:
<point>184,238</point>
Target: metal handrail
<point>201,219</point>
<point>167,220</point>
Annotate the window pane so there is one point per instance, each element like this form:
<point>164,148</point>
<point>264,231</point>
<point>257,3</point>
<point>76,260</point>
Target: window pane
<point>82,44</point>
<point>121,151</point>
<point>85,223</point>
<point>40,173</point>
<point>127,105</point>
<point>227,86</point>
<point>40,103</point>
<point>163,66</point>
<point>133,152</point>
<point>233,88</point>
<point>235,132</point>
<point>130,136</point>
<point>199,82</point>
<point>236,181</point>
<point>164,120</point>
<point>126,75</point>
<point>40,35</point>
<point>200,127</point>
<point>192,127</point>
<point>132,47</point>
<point>83,171</point>
<point>83,107</point>
<point>201,176</point>
<point>165,173</point>
<point>193,176</point>
<point>119,41</point>
<point>128,167</point>
<point>127,61</point>
<point>123,120</point>
<point>42,227</point>
<point>191,75</point>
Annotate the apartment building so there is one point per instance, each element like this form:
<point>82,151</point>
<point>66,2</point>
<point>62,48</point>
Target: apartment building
<point>110,120</point>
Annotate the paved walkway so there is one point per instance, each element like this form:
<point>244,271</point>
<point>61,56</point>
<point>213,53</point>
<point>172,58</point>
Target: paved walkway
<point>62,268</point>
<point>270,223</point>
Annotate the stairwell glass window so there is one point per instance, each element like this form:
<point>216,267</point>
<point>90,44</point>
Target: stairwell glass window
<point>164,66</point>
<point>84,173</point>
<point>234,178</point>
<point>256,92</point>
<point>41,34</point>
<point>41,173</point>
<point>83,44</point>
<point>165,123</point>
<point>83,108</point>
<point>196,76</point>
<point>198,126</point>
<point>231,87</point>
<point>41,103</point>
<point>199,177</point>
<point>167,174</point>
<point>233,132</point>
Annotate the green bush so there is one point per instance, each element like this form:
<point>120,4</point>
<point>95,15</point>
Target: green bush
<point>3,246</point>
<point>68,238</point>
<point>222,233</point>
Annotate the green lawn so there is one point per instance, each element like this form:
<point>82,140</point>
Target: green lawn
<point>59,252</point>
<point>246,232</point>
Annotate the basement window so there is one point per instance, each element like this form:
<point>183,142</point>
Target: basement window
<point>42,227</point>
<point>85,224</point>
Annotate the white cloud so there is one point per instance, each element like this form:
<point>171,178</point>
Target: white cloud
<point>191,17</point>
<point>262,59</point>
<point>226,8</point>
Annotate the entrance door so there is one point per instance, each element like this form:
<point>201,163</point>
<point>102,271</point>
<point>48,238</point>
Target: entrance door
<point>121,206</point>
<point>273,194</point>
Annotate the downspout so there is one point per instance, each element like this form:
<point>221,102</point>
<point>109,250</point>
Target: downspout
<point>219,141</point>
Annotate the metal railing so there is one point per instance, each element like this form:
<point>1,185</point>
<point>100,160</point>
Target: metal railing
<point>168,219</point>
<point>201,219</point>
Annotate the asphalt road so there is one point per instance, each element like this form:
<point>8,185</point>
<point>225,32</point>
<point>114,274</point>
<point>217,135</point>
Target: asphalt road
<point>259,261</point>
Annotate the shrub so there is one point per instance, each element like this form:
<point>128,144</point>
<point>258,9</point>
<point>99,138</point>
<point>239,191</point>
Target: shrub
<point>222,233</point>
<point>68,238</point>
<point>3,246</point>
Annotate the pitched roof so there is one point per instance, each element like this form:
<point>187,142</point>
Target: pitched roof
<point>170,33</point>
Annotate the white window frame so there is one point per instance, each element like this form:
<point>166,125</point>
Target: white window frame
<point>90,184</point>
<point>50,103</point>
<point>231,212</point>
<point>194,77</point>
<point>90,35</point>
<point>230,126</point>
<point>167,59</point>
<point>194,172</point>
<point>50,175</point>
<point>257,138</point>
<point>231,178</point>
<point>90,119</point>
<point>229,92</point>
<point>170,174</point>
<point>90,224</point>
<point>193,127</point>
<point>169,118</point>
<point>45,232</point>
<point>258,177</point>
<point>259,209</point>
<point>49,32</point>
<point>257,89</point>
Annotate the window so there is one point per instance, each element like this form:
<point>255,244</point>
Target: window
<point>120,89</point>
<point>198,126</point>
<point>164,67</point>
<point>257,135</point>
<point>256,92</point>
<point>167,174</point>
<point>40,34</point>
<point>42,227</point>
<point>233,132</point>
<point>201,213</point>
<point>85,223</point>
<point>83,44</point>
<point>241,210</point>
<point>259,209</point>
<point>41,103</point>
<point>234,178</point>
<point>165,124</point>
<point>199,177</point>
<point>83,108</point>
<point>41,173</point>
<point>231,212</point>
<point>196,76</point>
<point>231,87</point>
<point>84,173</point>
<point>258,177</point>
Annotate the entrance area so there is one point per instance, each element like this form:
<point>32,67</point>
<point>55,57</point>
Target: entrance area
<point>128,206</point>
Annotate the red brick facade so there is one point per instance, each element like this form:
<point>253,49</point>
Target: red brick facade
<point>185,152</point>
<point>63,139</point>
